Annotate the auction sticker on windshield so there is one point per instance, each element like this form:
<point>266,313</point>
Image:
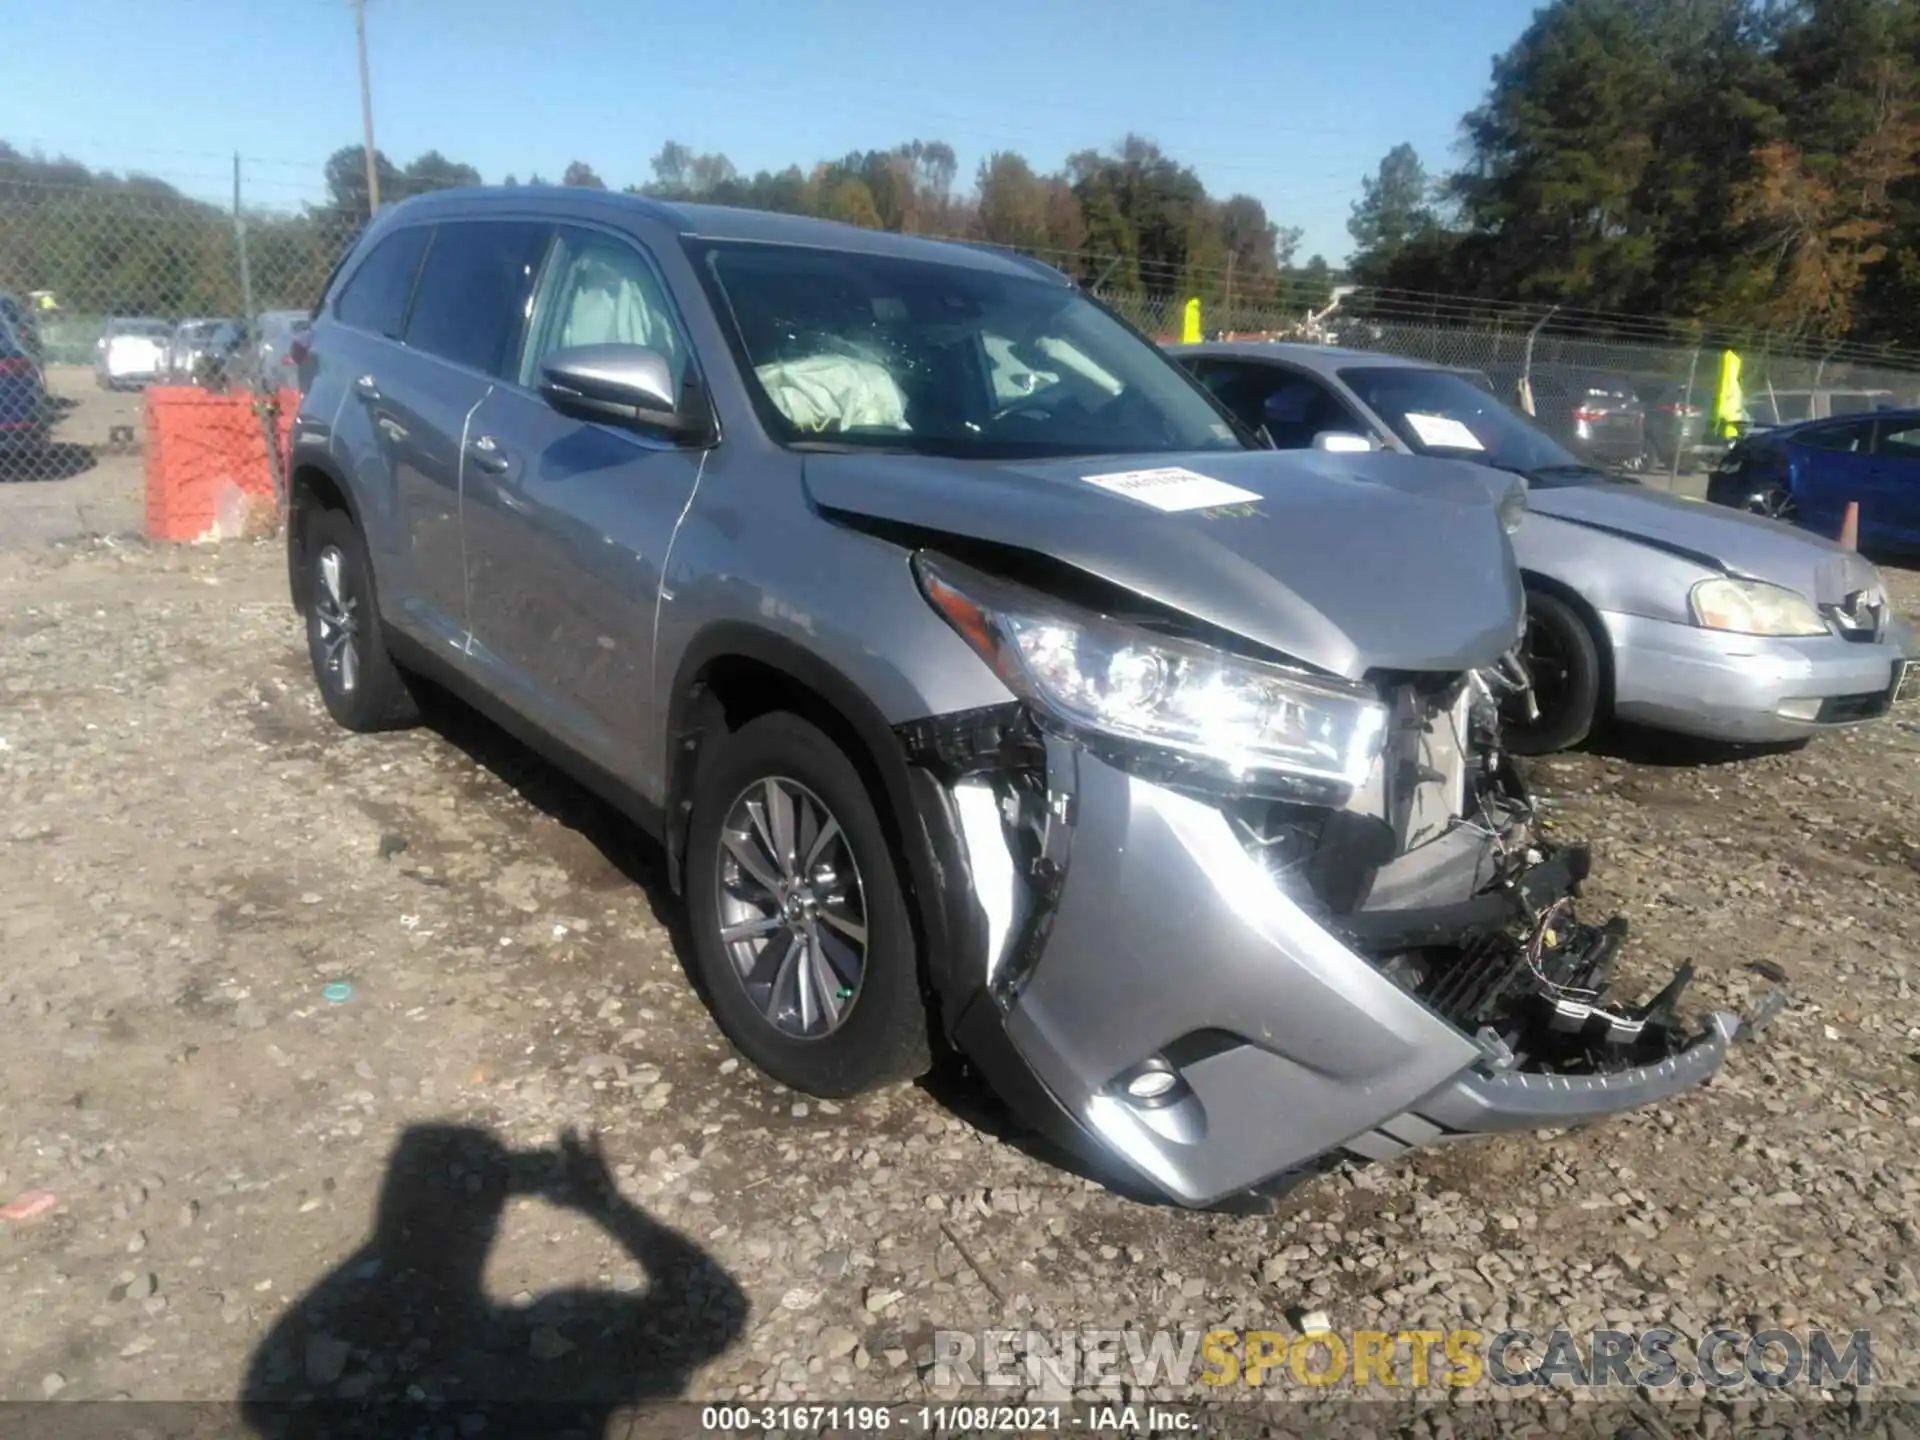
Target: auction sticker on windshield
<point>1172,488</point>
<point>1443,432</point>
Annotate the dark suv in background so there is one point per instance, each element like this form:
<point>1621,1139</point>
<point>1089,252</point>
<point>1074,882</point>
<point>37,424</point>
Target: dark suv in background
<point>1677,419</point>
<point>1599,417</point>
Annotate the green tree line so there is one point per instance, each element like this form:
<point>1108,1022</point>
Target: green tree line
<point>1130,218</point>
<point>1748,162</point>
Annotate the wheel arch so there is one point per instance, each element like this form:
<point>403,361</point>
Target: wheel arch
<point>734,672</point>
<point>315,483</point>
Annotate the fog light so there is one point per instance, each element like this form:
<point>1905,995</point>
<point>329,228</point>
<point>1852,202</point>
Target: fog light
<point>1805,708</point>
<point>1153,1083</point>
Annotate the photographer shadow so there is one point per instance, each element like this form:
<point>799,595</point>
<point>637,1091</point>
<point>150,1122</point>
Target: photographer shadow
<point>401,1338</point>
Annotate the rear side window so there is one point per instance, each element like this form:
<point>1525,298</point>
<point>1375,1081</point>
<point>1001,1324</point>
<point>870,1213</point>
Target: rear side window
<point>376,297</point>
<point>474,291</point>
<point>1849,402</point>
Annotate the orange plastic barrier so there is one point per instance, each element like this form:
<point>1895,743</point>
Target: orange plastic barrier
<point>207,471</point>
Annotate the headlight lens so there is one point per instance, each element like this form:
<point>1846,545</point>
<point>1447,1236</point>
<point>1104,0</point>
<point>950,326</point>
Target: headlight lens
<point>1753,607</point>
<point>1103,680</point>
<point>1513,509</point>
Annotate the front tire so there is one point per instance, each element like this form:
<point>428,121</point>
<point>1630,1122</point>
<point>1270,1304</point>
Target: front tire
<point>359,683</point>
<point>1563,660</point>
<point>802,938</point>
<point>1775,503</point>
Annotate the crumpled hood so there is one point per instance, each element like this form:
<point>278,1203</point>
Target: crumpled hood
<point>1733,540</point>
<point>1347,562</point>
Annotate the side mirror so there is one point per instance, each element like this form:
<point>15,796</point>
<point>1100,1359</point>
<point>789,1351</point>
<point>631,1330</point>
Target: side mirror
<point>626,385</point>
<point>1342,442</point>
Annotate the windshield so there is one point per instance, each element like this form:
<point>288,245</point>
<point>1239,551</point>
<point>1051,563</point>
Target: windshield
<point>871,351</point>
<point>1436,412</point>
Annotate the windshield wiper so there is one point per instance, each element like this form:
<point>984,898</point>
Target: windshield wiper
<point>845,447</point>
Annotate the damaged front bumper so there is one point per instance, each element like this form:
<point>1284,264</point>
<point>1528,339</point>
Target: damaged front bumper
<point>1151,992</point>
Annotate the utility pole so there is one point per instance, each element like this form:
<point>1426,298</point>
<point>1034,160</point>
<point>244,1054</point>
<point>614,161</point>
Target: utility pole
<point>366,105</point>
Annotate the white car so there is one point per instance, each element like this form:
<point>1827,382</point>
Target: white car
<point>132,351</point>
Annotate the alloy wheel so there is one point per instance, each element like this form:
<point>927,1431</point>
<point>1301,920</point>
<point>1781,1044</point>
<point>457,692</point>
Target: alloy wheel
<point>1775,503</point>
<point>337,619</point>
<point>792,909</point>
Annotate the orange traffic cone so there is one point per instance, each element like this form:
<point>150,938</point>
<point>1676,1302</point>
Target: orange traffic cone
<point>1850,526</point>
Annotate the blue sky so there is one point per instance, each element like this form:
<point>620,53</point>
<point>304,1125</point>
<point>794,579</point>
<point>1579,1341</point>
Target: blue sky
<point>1288,100</point>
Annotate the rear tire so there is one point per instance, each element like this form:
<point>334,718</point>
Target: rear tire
<point>361,686</point>
<point>866,1021</point>
<point>1564,661</point>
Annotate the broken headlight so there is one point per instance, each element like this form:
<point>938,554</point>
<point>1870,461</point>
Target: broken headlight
<point>1196,706</point>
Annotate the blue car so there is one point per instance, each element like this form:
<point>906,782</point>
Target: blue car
<point>1806,474</point>
<point>23,398</point>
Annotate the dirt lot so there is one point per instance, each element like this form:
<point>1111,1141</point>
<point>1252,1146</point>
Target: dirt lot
<point>85,483</point>
<point>278,1003</point>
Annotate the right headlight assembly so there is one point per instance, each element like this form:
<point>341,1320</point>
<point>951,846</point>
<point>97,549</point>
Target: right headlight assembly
<point>1753,607</point>
<point>1175,704</point>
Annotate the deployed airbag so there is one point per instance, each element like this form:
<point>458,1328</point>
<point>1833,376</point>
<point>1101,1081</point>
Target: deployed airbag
<point>835,392</point>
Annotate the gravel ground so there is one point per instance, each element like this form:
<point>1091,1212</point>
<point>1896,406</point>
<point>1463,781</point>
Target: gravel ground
<point>292,1017</point>
<point>83,483</point>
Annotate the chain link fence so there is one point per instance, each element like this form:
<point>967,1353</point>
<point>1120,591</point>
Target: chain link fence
<point>110,289</point>
<point>1628,392</point>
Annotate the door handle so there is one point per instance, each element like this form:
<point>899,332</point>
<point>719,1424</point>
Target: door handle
<point>486,455</point>
<point>366,388</point>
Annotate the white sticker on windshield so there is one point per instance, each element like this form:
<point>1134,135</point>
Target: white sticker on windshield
<point>1443,431</point>
<point>1172,488</point>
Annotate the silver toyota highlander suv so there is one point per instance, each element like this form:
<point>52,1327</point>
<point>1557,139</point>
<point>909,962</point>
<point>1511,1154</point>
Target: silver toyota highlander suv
<point>983,683</point>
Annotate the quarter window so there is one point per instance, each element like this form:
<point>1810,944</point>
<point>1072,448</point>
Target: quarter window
<point>376,297</point>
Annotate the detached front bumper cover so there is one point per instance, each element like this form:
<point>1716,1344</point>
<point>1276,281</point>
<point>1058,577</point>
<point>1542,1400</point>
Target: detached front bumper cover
<point>1480,1103</point>
<point>1133,930</point>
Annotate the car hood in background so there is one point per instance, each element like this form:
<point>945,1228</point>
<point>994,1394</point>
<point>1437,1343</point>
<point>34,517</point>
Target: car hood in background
<point>1718,537</point>
<point>1346,562</point>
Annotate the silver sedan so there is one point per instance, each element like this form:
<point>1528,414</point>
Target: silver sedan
<point>1643,606</point>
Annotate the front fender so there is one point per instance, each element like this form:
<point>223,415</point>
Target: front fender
<point>1608,571</point>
